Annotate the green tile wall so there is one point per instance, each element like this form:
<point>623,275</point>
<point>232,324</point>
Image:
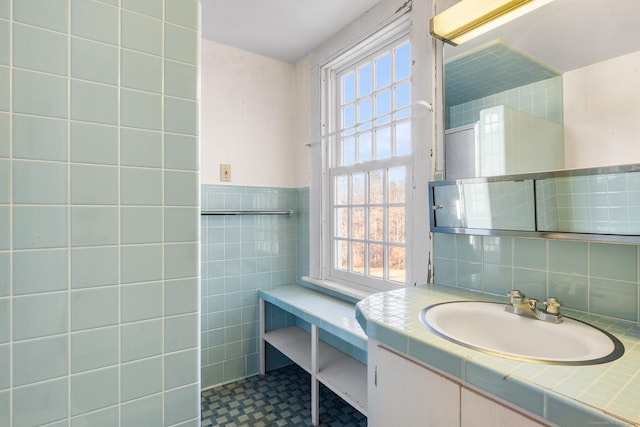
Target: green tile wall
<point>541,99</point>
<point>240,255</point>
<point>99,213</point>
<point>303,232</point>
<point>604,204</point>
<point>599,278</point>
<point>495,67</point>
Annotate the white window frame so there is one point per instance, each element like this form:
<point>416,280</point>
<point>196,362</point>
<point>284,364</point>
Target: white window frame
<point>396,33</point>
<point>426,129</point>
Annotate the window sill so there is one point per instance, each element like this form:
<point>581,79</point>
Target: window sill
<point>351,290</point>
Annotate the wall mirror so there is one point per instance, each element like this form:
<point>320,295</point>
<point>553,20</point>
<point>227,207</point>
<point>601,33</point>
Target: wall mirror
<point>599,200</point>
<point>598,204</point>
<point>475,204</point>
<point>564,75</point>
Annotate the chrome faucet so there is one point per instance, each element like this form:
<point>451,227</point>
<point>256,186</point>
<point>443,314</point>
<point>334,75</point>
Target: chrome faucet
<point>521,305</point>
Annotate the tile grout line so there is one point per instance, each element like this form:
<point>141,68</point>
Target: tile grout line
<point>11,237</point>
<point>163,213</point>
<point>69,234</point>
<point>119,183</point>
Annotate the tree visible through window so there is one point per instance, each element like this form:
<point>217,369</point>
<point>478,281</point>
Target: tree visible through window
<point>370,165</point>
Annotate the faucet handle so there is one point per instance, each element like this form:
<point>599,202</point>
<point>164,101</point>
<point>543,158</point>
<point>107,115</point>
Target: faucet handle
<point>552,305</point>
<point>516,297</point>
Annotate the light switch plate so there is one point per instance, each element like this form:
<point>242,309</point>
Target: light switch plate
<point>225,173</point>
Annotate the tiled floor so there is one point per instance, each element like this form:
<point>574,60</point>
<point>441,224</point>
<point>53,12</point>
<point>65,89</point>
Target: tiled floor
<point>280,398</point>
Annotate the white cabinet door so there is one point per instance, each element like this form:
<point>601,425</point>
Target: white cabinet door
<point>478,411</point>
<point>409,395</point>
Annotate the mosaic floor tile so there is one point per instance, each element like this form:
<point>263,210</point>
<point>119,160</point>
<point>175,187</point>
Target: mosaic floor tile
<point>280,398</point>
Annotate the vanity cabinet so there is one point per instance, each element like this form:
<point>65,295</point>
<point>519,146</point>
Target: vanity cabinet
<point>407,393</point>
<point>481,411</point>
<point>410,395</point>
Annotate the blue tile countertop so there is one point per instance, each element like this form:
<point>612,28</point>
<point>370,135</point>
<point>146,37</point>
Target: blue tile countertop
<point>329,313</point>
<point>564,395</point>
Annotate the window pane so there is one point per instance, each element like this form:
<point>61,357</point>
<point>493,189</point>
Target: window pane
<point>348,88</point>
<point>357,257</point>
<point>342,190</point>
<point>348,116</point>
<point>349,151</point>
<point>403,96</point>
<point>376,261</point>
<point>365,151</point>
<point>403,114</point>
<point>342,255</point>
<point>397,269</point>
<point>364,80</point>
<point>403,62</point>
<point>357,223</point>
<point>397,185</point>
<point>342,222</point>
<point>383,103</point>
<point>383,71</point>
<point>369,200</point>
<point>376,224</point>
<point>396,225</point>
<point>403,139</point>
<point>364,110</point>
<point>383,143</point>
<point>365,126</point>
<point>357,189</point>
<point>376,187</point>
<point>383,120</point>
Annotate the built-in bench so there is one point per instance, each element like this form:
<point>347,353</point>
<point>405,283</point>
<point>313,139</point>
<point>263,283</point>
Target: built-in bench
<point>341,373</point>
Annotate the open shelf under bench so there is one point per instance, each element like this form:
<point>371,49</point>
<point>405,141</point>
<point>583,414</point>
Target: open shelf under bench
<point>341,373</point>
<point>338,371</point>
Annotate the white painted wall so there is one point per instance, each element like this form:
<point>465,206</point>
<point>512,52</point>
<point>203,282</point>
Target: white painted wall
<point>248,118</point>
<point>302,123</point>
<point>602,113</point>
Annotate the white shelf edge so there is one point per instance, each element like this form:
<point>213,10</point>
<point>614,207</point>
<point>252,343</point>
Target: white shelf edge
<point>294,343</point>
<point>341,373</point>
<point>345,376</point>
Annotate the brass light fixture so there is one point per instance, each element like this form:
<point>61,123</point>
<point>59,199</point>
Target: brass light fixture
<point>470,18</point>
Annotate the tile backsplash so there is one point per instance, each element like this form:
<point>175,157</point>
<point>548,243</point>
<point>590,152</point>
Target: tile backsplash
<point>240,255</point>
<point>598,278</point>
<point>607,204</point>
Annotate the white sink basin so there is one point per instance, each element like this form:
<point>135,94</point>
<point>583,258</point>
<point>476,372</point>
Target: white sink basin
<point>487,327</point>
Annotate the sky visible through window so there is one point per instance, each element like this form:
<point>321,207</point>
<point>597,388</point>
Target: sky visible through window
<point>374,100</point>
<point>370,93</point>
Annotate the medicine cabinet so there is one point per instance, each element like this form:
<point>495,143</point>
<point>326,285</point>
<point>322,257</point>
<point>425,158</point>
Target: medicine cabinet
<point>599,204</point>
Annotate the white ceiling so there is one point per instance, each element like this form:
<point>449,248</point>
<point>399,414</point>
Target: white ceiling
<point>286,30</point>
<point>565,34</point>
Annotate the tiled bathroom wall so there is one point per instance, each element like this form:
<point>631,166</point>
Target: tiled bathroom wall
<point>99,195</point>
<point>303,232</point>
<point>541,99</point>
<point>599,278</point>
<point>240,255</point>
<point>582,204</point>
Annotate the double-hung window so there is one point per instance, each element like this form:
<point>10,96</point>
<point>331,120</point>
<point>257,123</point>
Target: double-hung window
<point>368,166</point>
